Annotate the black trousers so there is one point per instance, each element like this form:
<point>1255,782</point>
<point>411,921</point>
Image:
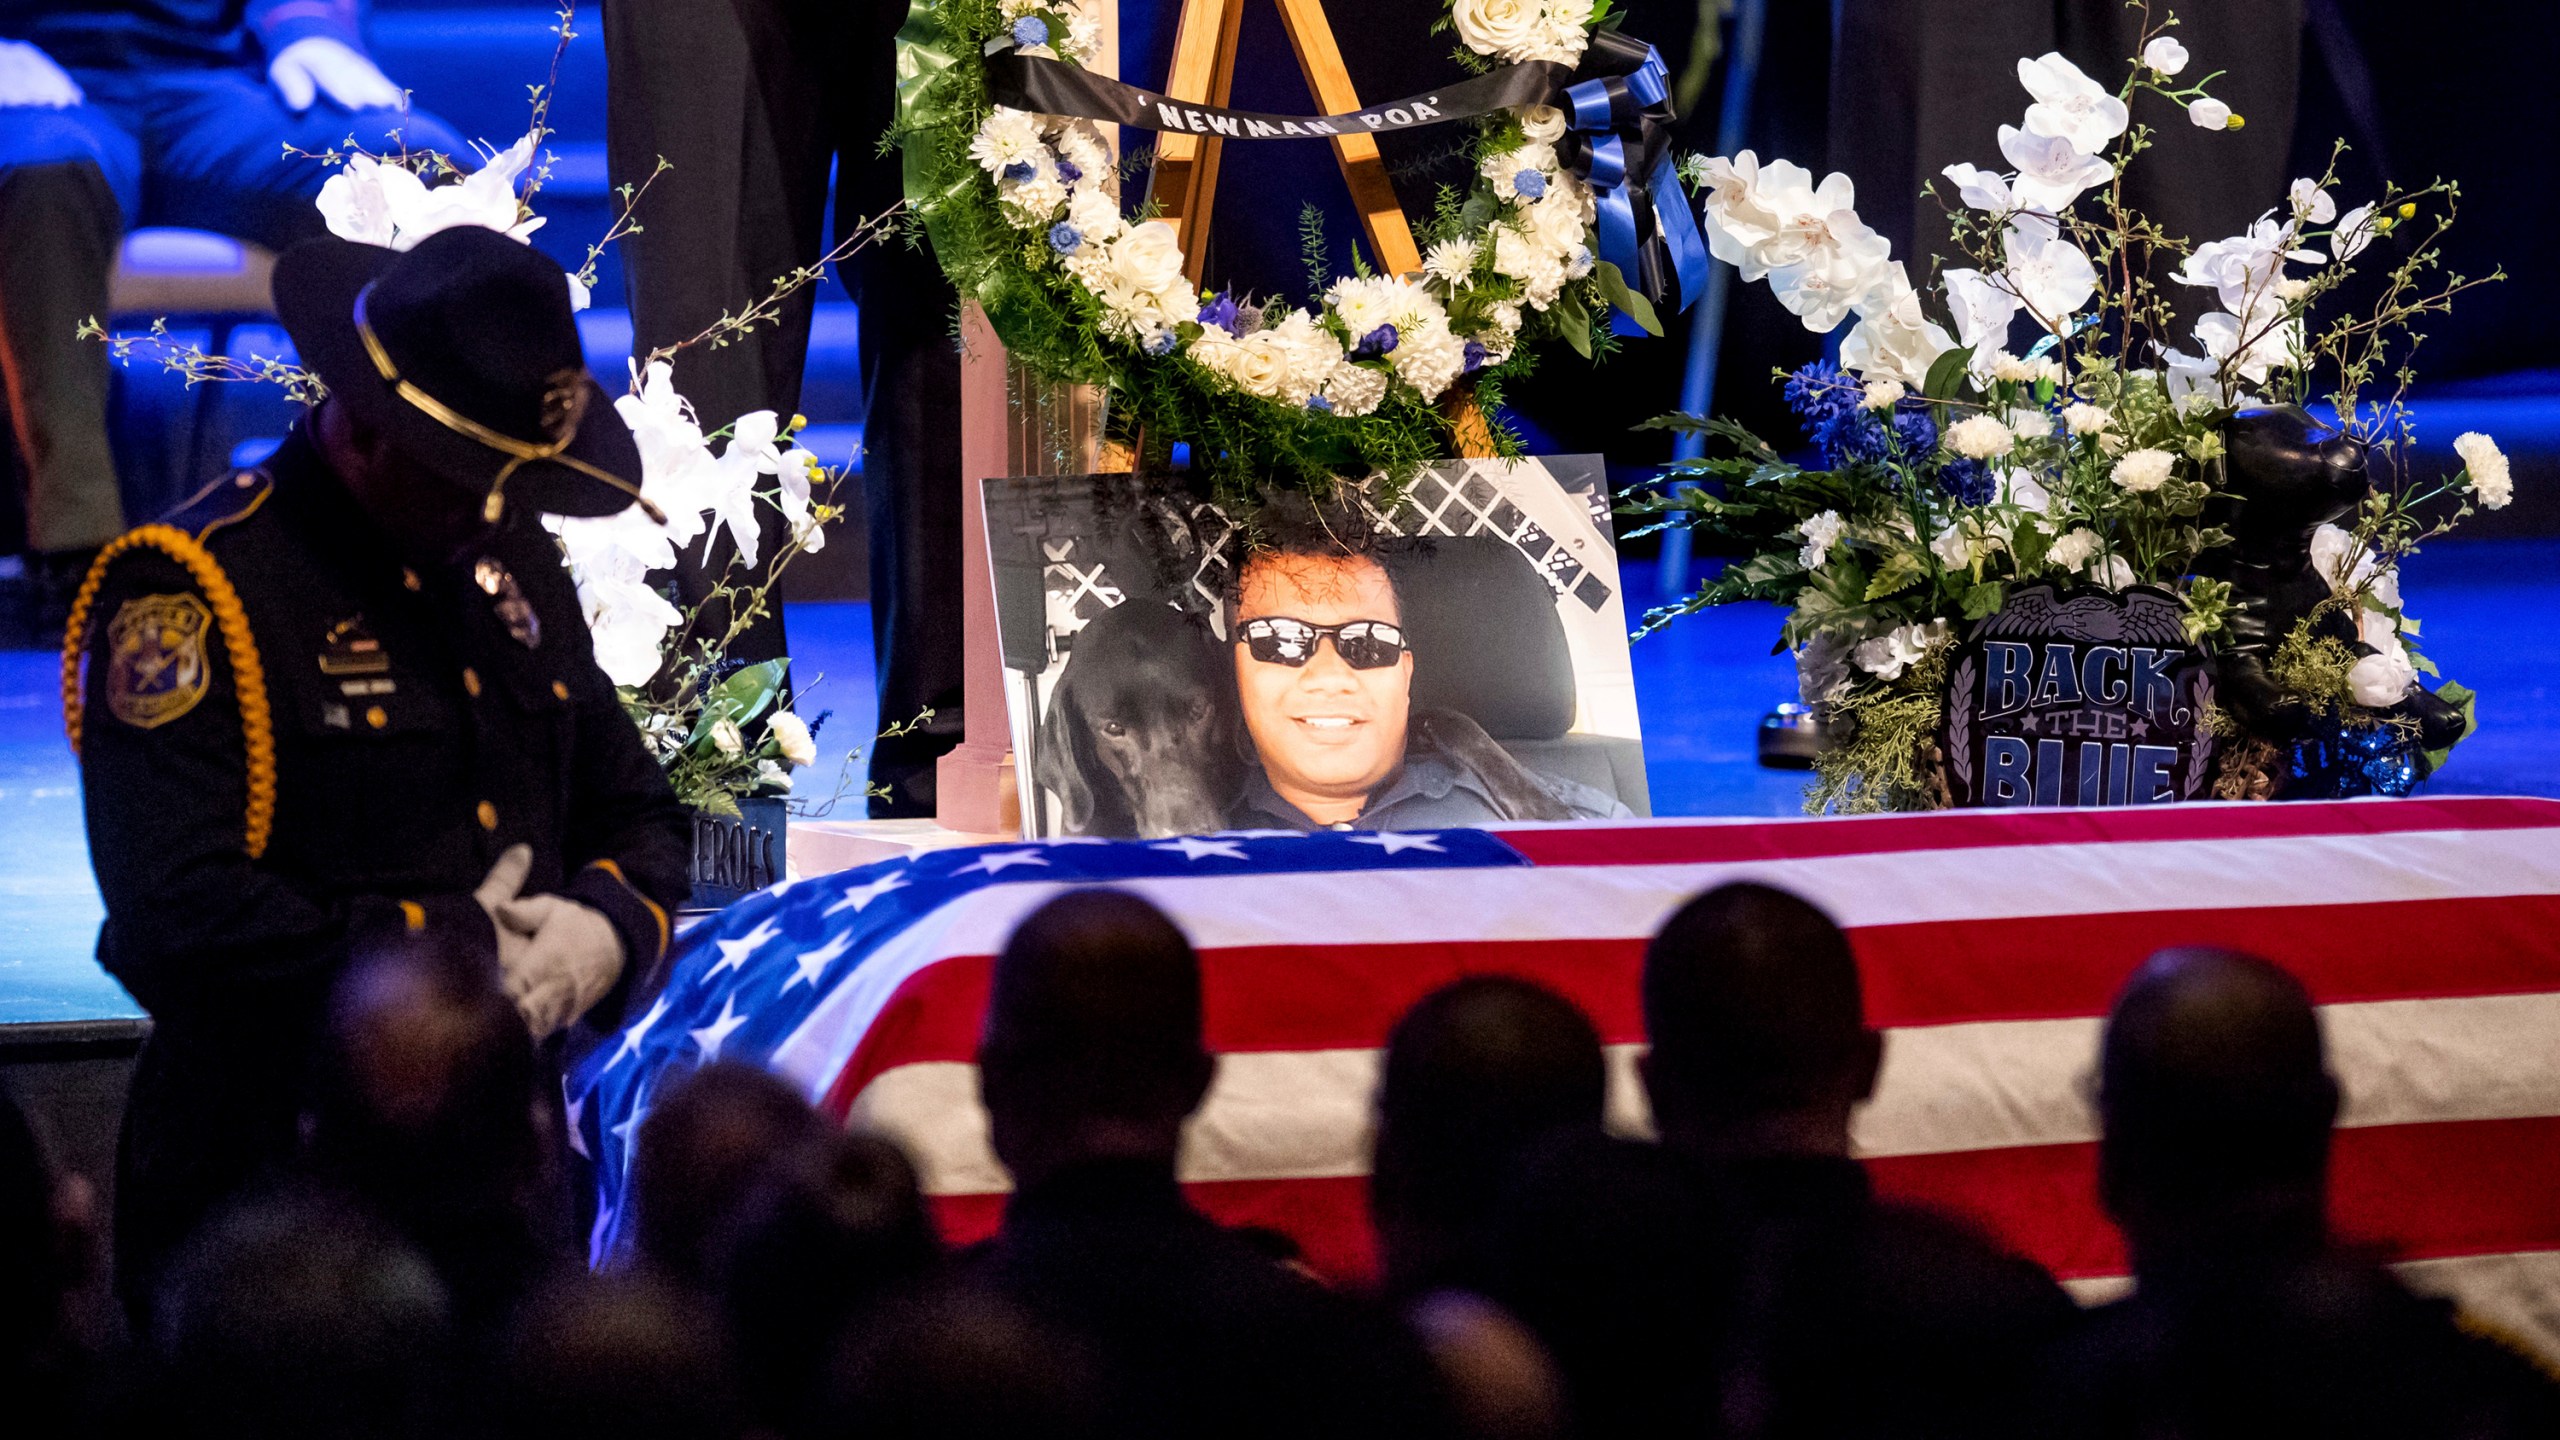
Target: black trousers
<point>1918,85</point>
<point>754,103</point>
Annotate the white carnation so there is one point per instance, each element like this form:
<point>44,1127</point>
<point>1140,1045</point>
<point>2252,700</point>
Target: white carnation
<point>1820,532</point>
<point>2075,550</point>
<point>1882,394</point>
<point>2082,418</point>
<point>2490,479</point>
<point>2143,471</point>
<point>1354,389</point>
<point>1428,356</point>
<point>1979,437</point>
<point>791,733</point>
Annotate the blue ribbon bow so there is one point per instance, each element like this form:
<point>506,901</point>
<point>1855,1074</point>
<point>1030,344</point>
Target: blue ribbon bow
<point>1644,224</point>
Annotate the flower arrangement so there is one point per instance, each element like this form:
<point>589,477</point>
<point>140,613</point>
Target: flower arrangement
<point>1025,212</point>
<point>1949,468</point>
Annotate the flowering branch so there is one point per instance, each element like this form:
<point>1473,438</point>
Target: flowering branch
<point>200,367</point>
<point>768,310</point>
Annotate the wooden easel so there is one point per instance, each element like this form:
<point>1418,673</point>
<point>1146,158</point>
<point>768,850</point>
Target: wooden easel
<point>1011,425</point>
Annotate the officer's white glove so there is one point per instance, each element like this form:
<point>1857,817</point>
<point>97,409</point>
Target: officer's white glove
<point>504,880</point>
<point>570,957</point>
<point>28,76</point>
<point>317,65</point>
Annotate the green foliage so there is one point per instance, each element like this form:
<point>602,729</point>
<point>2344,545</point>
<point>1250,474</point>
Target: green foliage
<point>1888,759</point>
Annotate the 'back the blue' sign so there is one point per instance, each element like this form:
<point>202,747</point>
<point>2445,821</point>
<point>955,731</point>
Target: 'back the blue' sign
<point>2086,698</point>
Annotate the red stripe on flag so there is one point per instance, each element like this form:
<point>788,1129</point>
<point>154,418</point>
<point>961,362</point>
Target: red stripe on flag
<point>1333,997</point>
<point>1975,829</point>
<point>2416,1191</point>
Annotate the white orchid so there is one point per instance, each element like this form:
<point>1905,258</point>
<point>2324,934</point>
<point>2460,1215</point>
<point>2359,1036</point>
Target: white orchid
<point>1983,309</point>
<point>2351,567</point>
<point>2047,272</point>
<point>2164,56</point>
<point>2311,203</point>
<point>2244,268</point>
<point>376,203</point>
<point>2070,105</point>
<point>750,453</point>
<point>2052,172</point>
<point>2354,232</point>
<point>1888,655</point>
<point>1981,189</point>
<point>1894,338</point>
<point>2207,113</point>
<point>2253,344</point>
<point>1842,260</point>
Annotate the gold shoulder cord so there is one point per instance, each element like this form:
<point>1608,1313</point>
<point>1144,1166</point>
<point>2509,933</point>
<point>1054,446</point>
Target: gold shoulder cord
<point>248,674</point>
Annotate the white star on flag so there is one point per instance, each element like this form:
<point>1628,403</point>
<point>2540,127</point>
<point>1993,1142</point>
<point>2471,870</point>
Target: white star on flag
<point>859,897</point>
<point>1394,842</point>
<point>1193,848</point>
<point>734,953</point>
<point>814,963</point>
<point>632,1037</point>
<point>996,861</point>
<point>716,1034</point>
<point>628,1132</point>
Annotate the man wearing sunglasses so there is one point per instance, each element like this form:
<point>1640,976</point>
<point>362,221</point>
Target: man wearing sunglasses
<point>1324,674</point>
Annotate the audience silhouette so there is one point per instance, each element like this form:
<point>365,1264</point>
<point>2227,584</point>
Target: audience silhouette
<point>2247,1318</point>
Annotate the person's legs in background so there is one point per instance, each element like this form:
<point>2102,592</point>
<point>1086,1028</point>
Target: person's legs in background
<point>731,98</point>
<point>910,449</point>
<point>70,182</point>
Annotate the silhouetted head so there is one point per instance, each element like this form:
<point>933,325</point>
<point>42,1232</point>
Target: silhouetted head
<point>1091,1039</point>
<point>961,1362</point>
<point>425,1109</point>
<point>296,1315</point>
<point>1475,1074</point>
<point>710,1136</point>
<point>1759,1035</point>
<point>828,1232</point>
<point>1092,1046</point>
<point>2217,1103</point>
<point>623,1357</point>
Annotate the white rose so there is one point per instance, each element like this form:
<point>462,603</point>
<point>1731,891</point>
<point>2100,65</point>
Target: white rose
<point>2382,680</point>
<point>2165,56</point>
<point>1262,365</point>
<point>1312,352</point>
<point>1979,437</point>
<point>2490,479</point>
<point>1544,124</point>
<point>726,739</point>
<point>2143,471</point>
<point>791,733</point>
<point>1499,27</point>
<point>1149,258</point>
<point>1556,222</point>
<point>2209,114</point>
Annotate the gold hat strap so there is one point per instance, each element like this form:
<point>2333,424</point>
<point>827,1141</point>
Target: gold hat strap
<point>518,451</point>
<point>248,672</point>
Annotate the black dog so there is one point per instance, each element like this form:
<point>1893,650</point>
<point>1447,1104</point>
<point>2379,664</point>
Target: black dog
<point>1139,738</point>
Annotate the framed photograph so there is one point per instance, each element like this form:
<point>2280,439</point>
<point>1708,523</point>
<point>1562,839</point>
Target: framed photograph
<point>1455,658</point>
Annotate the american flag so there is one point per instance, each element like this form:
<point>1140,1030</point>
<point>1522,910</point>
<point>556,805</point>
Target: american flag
<point>1990,943</point>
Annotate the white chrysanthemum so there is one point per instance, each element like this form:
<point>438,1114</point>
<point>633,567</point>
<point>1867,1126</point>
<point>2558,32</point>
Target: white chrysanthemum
<point>1009,137</point>
<point>1539,270</point>
<point>1452,263</point>
<point>2143,471</point>
<point>1354,390</point>
<point>1979,437</point>
<point>2490,479</point>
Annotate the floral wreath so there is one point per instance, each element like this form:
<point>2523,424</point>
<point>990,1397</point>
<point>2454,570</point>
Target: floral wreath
<point>1024,213</point>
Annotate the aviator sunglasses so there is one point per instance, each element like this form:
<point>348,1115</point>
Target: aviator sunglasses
<point>1362,644</point>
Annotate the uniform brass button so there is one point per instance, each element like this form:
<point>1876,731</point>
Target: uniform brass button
<point>409,578</point>
<point>471,681</point>
<point>375,716</point>
<point>488,816</point>
<point>559,690</point>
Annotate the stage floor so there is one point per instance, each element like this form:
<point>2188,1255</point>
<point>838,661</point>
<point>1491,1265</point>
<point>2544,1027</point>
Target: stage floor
<point>2491,610</point>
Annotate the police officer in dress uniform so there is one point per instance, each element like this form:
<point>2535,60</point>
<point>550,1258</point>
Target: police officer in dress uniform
<point>350,693</point>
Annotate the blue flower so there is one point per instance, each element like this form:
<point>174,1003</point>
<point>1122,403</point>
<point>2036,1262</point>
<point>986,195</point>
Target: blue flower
<point>1913,427</point>
<point>1969,482</point>
<point>820,723</point>
<point>1069,171</point>
<point>1220,311</point>
<point>1819,393</point>
<point>1162,344</point>
<point>1851,436</point>
<point>1020,171</point>
<point>1065,238</point>
<point>1030,30</point>
<point>1529,184</point>
<point>1476,355</point>
<point>1376,342</point>
<point>1320,404</point>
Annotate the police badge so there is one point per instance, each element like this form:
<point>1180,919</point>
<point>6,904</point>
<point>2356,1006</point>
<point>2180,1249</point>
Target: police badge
<point>156,669</point>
